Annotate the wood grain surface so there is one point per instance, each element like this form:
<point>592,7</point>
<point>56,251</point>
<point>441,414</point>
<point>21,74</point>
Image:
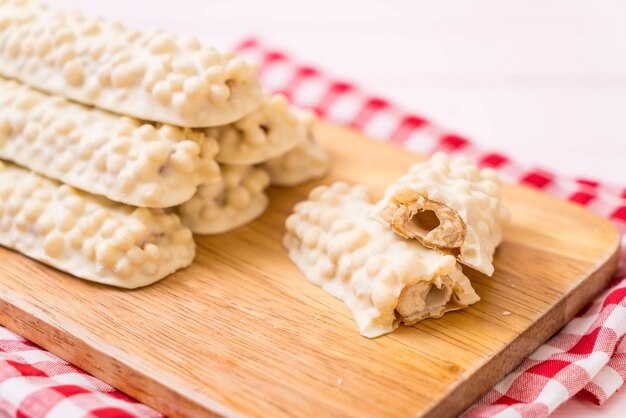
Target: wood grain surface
<point>242,333</point>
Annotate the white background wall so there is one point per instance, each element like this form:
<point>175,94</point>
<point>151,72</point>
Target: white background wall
<point>541,80</point>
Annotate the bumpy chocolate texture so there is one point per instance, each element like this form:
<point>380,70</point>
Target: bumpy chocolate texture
<point>88,236</point>
<point>238,199</point>
<point>306,162</point>
<point>268,132</point>
<point>449,205</point>
<point>382,278</point>
<point>121,158</point>
<point>151,76</point>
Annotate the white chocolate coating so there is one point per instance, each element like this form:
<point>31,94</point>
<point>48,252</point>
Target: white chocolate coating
<point>151,76</point>
<point>457,190</point>
<point>88,236</point>
<point>268,132</point>
<point>238,199</point>
<point>306,162</point>
<point>339,247</point>
<point>96,151</point>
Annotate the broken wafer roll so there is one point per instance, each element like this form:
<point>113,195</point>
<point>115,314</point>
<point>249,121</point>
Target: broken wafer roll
<point>381,277</point>
<point>306,162</point>
<point>448,205</point>
<point>268,132</point>
<point>88,236</point>
<point>239,198</point>
<point>151,75</point>
<point>124,159</point>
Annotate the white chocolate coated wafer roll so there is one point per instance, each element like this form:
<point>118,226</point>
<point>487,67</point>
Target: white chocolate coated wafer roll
<point>233,202</point>
<point>449,205</point>
<point>381,277</point>
<point>268,132</point>
<point>87,236</point>
<point>150,76</point>
<point>126,160</point>
<point>306,162</point>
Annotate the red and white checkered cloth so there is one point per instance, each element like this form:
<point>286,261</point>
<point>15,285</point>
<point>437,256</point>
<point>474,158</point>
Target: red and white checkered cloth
<point>35,383</point>
<point>588,356</point>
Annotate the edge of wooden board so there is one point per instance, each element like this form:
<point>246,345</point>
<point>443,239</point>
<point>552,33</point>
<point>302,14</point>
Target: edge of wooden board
<point>61,342</point>
<point>464,395</point>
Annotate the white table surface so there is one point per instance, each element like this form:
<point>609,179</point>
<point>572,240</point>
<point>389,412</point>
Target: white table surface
<point>542,80</point>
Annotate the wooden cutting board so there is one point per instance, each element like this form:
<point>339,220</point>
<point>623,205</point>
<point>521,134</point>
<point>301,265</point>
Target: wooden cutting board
<point>243,333</point>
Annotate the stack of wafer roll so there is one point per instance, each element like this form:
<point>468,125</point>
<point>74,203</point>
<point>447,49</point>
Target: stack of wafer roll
<point>399,260</point>
<point>117,145</point>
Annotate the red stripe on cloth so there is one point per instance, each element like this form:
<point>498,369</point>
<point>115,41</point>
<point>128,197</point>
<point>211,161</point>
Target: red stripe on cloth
<point>372,106</point>
<point>537,179</point>
<point>26,369</point>
<point>269,59</point>
<point>273,56</point>
<point>582,197</point>
<point>299,76</point>
<point>408,125</point>
<point>246,44</point>
<point>620,214</point>
<point>586,343</point>
<point>69,390</point>
<point>548,368</point>
<point>505,400</point>
<point>623,195</point>
<point>122,396</point>
<point>617,280</point>
<point>493,160</point>
<point>21,414</point>
<point>334,91</point>
<point>54,366</point>
<point>615,298</point>
<point>587,182</point>
<point>451,143</point>
<point>585,394</point>
<point>109,412</point>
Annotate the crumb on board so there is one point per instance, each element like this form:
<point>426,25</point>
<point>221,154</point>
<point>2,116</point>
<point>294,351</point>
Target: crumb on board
<point>339,380</point>
<point>506,313</point>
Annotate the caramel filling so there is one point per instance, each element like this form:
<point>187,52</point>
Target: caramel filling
<point>423,300</point>
<point>432,223</point>
<point>428,300</point>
